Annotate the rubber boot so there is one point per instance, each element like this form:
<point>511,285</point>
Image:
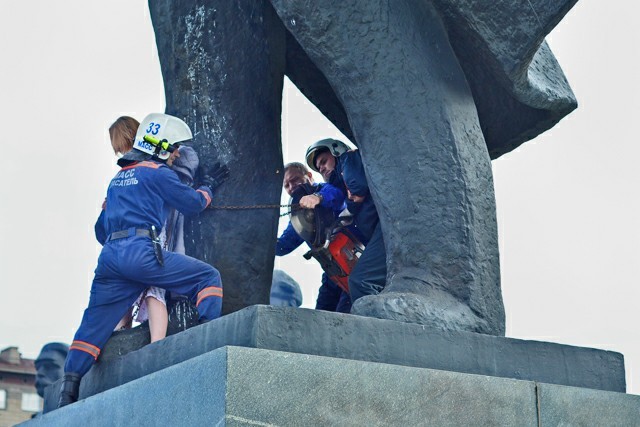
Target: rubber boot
<point>69,389</point>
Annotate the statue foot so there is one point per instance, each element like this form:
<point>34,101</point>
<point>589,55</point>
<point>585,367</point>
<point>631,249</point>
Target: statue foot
<point>437,309</point>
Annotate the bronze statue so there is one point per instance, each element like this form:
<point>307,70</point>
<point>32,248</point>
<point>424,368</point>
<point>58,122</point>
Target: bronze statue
<point>429,91</point>
<point>50,365</point>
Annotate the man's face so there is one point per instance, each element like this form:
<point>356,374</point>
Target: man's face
<point>49,369</point>
<point>325,163</point>
<point>293,178</point>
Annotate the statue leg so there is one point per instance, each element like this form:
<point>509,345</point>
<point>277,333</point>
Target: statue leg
<point>414,119</point>
<point>223,66</point>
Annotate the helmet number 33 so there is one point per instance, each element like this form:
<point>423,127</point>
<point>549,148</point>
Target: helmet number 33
<point>153,128</point>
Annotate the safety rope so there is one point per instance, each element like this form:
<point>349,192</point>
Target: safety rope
<point>294,205</point>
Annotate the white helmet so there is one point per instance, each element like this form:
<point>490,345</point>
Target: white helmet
<point>335,147</point>
<point>162,131</point>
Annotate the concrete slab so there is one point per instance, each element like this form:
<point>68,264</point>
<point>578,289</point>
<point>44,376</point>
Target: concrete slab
<point>367,339</point>
<point>237,386</point>
<point>293,389</point>
<point>571,406</point>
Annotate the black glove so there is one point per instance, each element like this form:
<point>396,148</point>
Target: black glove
<point>216,176</point>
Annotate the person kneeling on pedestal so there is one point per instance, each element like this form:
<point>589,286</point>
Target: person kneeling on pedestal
<point>343,169</point>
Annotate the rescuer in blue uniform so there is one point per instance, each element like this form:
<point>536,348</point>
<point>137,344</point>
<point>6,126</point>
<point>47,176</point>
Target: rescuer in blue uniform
<point>344,170</point>
<point>139,198</point>
<point>330,296</point>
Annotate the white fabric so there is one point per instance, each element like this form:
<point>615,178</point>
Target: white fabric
<point>143,312</point>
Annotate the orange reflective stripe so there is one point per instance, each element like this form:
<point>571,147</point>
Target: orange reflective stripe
<point>211,291</point>
<point>206,196</point>
<point>145,164</point>
<point>148,164</point>
<point>86,347</point>
<point>129,167</point>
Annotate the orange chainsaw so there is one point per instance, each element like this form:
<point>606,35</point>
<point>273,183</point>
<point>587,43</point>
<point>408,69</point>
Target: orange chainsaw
<point>332,244</point>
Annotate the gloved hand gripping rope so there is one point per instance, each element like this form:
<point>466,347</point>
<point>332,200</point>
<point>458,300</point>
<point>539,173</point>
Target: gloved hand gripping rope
<point>219,174</point>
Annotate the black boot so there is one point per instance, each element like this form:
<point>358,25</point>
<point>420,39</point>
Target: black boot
<point>69,389</point>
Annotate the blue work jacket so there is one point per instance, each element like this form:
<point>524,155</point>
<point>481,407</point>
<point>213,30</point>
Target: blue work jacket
<point>349,175</point>
<point>142,194</point>
<point>332,198</point>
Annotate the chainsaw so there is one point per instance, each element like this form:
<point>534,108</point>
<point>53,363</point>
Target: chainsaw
<point>332,244</point>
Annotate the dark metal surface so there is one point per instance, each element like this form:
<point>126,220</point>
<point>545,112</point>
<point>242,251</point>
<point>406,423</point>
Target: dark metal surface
<point>223,68</point>
<point>429,91</point>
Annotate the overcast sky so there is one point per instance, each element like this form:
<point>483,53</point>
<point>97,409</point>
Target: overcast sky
<point>568,209</point>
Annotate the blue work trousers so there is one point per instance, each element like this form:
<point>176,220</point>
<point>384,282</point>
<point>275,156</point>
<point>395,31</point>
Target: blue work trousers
<point>370,273</point>
<point>331,297</point>
<point>126,267</point>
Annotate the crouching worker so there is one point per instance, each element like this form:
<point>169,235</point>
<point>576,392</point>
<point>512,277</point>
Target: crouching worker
<point>138,200</point>
<point>343,169</point>
<point>296,175</point>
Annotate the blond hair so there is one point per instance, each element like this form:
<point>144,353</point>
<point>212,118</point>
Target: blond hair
<point>122,133</point>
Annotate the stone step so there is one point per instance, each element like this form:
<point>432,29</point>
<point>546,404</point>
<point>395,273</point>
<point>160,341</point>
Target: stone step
<point>239,386</point>
<point>352,337</point>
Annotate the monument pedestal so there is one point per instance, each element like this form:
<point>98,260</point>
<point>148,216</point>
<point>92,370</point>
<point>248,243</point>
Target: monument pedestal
<point>271,365</point>
<point>238,386</point>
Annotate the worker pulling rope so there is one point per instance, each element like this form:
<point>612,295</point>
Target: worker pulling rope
<point>215,176</point>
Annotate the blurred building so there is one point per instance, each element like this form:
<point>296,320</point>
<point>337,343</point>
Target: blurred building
<point>18,397</point>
